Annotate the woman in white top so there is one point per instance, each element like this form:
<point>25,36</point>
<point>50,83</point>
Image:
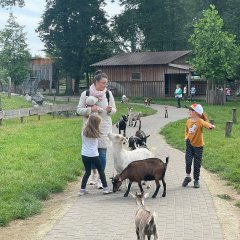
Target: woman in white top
<point>104,107</point>
<point>90,154</point>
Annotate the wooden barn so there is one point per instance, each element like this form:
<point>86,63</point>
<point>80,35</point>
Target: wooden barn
<point>148,74</point>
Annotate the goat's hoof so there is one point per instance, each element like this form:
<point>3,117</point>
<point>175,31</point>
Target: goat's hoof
<point>153,196</point>
<point>164,195</point>
<point>125,195</point>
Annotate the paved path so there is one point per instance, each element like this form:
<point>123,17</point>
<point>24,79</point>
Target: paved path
<point>185,213</point>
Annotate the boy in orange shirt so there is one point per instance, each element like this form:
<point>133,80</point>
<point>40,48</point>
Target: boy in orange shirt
<point>194,142</point>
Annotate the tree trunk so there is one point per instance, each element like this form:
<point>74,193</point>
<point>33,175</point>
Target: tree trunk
<point>215,97</point>
<point>76,85</point>
<point>69,89</point>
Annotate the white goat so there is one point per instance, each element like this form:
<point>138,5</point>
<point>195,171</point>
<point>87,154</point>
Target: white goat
<point>123,157</point>
<point>144,219</point>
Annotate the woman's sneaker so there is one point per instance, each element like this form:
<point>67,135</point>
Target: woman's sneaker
<point>106,190</point>
<point>186,181</point>
<point>93,180</point>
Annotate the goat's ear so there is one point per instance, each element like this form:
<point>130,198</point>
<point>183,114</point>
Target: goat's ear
<point>147,136</point>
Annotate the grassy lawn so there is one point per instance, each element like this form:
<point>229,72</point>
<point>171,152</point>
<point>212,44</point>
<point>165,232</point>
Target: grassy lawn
<point>38,158</point>
<point>221,154</point>
<point>14,102</point>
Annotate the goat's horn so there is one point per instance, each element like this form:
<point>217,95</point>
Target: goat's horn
<point>135,144</point>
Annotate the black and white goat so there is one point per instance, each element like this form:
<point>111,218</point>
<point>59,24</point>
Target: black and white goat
<point>147,170</point>
<point>139,140</point>
<point>122,124</point>
<point>145,220</point>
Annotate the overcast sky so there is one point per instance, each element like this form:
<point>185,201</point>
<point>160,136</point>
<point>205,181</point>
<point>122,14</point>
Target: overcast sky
<point>30,16</point>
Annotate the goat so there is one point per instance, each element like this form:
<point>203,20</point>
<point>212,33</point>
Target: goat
<point>133,117</point>
<point>144,219</point>
<point>135,142</point>
<point>122,157</point>
<point>147,101</point>
<point>141,136</point>
<point>147,169</point>
<point>166,112</point>
<point>124,99</point>
<point>122,124</point>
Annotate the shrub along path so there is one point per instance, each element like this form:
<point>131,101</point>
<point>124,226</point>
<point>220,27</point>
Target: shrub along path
<point>185,213</point>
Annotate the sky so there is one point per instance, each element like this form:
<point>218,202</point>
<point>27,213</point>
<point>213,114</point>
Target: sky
<point>30,16</point>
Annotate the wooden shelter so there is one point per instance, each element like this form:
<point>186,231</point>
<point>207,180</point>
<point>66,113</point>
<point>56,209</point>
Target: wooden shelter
<point>148,74</point>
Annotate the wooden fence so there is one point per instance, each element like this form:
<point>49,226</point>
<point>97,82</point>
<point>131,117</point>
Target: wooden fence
<point>40,110</point>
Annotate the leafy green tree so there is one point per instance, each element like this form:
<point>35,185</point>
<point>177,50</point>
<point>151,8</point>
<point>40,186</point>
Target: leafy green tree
<point>5,3</point>
<point>215,51</point>
<point>68,28</point>
<point>14,53</point>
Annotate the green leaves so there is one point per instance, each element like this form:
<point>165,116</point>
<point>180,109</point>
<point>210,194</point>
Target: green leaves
<point>215,50</point>
<point>14,53</point>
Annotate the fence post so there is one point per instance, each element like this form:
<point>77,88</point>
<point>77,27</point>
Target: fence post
<point>21,119</point>
<point>234,115</point>
<point>228,129</point>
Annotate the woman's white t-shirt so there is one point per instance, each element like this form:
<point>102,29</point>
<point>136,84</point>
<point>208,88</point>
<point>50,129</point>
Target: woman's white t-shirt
<point>89,146</point>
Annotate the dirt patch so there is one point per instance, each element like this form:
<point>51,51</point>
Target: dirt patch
<point>36,227</point>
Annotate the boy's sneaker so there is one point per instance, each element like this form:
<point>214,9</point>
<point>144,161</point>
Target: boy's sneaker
<point>196,184</point>
<point>186,181</point>
<point>106,190</point>
<point>82,192</point>
<point>99,184</point>
<point>93,180</point>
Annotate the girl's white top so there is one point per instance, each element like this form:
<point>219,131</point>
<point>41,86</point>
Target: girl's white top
<point>89,146</point>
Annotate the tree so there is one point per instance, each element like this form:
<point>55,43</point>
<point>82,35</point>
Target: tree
<point>67,29</point>
<point>5,3</point>
<point>215,52</point>
<point>14,53</point>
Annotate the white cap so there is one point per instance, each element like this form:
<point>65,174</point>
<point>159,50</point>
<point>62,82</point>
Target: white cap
<point>197,108</point>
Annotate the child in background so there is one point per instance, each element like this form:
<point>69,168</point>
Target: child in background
<point>90,154</point>
<point>194,142</point>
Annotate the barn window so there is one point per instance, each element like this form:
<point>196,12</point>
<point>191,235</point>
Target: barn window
<point>136,76</point>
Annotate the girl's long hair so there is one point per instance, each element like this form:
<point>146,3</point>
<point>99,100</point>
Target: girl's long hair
<point>205,117</point>
<point>92,127</point>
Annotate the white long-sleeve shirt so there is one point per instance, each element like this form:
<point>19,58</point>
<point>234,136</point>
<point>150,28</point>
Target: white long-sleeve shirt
<point>89,146</point>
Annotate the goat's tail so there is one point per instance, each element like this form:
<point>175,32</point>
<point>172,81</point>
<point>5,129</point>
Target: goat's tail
<point>167,158</point>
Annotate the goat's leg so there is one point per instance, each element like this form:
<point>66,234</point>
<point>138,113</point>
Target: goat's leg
<point>157,188</point>
<point>135,123</point>
<point>164,188</point>
<point>140,186</point>
<point>128,189</point>
<point>124,132</point>
<point>137,232</point>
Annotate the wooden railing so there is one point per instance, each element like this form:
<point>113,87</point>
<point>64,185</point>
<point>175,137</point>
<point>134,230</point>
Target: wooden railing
<point>40,110</point>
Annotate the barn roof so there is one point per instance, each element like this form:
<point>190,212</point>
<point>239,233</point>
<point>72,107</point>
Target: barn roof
<point>142,58</point>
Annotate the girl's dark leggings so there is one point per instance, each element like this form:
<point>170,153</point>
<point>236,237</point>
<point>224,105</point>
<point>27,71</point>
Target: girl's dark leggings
<point>87,161</point>
<point>196,154</point>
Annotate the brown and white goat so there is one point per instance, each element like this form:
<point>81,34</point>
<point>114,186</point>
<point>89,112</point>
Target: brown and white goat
<point>144,219</point>
<point>147,170</point>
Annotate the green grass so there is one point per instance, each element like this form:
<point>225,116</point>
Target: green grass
<point>38,158</point>
<point>14,102</point>
<point>221,154</point>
